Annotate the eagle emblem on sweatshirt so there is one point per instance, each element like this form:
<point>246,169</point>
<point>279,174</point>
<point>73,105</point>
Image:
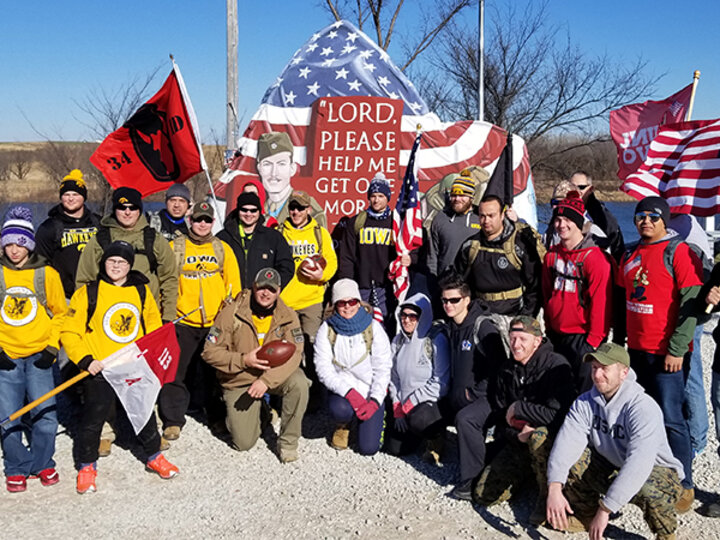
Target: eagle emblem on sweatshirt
<point>19,306</point>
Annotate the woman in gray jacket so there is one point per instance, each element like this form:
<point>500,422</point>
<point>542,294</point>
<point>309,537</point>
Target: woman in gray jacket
<point>419,379</point>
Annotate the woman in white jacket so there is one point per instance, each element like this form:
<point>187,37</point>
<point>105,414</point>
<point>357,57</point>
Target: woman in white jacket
<point>353,361</point>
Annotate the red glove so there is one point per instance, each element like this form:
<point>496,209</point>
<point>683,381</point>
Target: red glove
<point>355,399</point>
<point>518,424</point>
<point>397,410</point>
<point>407,407</point>
<point>366,411</point>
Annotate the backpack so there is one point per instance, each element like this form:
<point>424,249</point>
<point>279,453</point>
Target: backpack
<point>104,240</point>
<point>668,254</point>
<point>179,246</point>
<point>580,280</point>
<point>526,233</point>
<point>92,297</point>
<point>38,285</point>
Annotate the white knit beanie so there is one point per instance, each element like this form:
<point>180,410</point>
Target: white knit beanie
<point>345,289</point>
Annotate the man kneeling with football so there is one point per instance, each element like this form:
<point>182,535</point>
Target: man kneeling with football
<point>256,346</point>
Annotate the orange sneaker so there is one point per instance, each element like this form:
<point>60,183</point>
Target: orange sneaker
<point>163,467</point>
<point>86,479</point>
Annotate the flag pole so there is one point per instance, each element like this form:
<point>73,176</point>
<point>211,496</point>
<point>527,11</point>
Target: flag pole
<point>696,77</point>
<point>55,391</point>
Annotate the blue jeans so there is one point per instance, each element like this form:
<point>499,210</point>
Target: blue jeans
<point>369,432</point>
<point>26,380</point>
<point>715,402</point>
<point>695,398</point>
<point>668,389</point>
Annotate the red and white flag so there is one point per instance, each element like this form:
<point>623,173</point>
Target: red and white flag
<point>633,127</point>
<point>138,371</point>
<point>157,145</point>
<point>682,166</point>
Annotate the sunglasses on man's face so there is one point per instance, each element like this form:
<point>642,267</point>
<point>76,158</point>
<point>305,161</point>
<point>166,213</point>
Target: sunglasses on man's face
<point>352,303</point>
<point>654,217</point>
<point>409,316</point>
<point>582,187</point>
<point>252,210</point>
<point>294,207</point>
<point>130,207</point>
<point>203,219</point>
<point>452,301</point>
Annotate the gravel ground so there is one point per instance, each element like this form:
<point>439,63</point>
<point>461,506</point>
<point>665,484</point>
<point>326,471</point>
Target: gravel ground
<point>221,493</point>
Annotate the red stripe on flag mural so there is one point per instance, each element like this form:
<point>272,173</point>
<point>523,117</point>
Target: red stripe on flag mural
<point>683,166</point>
<point>155,147</point>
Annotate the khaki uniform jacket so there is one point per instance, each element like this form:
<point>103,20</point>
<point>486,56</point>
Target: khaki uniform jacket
<point>163,284</point>
<point>233,335</point>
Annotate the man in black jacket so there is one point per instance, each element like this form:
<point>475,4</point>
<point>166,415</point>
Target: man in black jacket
<point>69,226</point>
<point>530,395</point>
<point>255,245</point>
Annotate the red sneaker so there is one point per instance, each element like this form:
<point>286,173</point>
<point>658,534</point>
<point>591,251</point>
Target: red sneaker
<point>48,477</point>
<point>86,479</point>
<point>163,467</point>
<point>16,483</point>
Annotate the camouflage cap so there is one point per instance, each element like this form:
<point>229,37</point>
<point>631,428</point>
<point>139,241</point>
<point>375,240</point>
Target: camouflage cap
<point>300,197</point>
<point>273,143</point>
<point>608,354</point>
<point>203,209</point>
<point>525,323</point>
<point>267,277</point>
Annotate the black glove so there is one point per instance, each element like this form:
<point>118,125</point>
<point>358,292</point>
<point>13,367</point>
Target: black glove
<point>45,361</point>
<point>5,363</point>
<point>84,364</point>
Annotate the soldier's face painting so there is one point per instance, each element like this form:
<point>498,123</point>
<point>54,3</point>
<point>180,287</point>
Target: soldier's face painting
<point>275,172</point>
<point>17,254</point>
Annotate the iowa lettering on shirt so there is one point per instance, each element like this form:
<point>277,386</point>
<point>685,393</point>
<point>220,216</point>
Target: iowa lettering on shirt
<point>73,237</point>
<point>379,236</point>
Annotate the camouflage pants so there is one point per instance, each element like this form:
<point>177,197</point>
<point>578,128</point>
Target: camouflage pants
<point>592,475</point>
<point>513,466</point>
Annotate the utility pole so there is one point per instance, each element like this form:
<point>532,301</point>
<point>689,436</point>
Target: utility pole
<point>232,75</point>
<point>481,60</point>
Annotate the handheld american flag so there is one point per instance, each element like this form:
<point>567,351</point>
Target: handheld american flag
<point>408,233</point>
<point>682,166</point>
<point>375,303</point>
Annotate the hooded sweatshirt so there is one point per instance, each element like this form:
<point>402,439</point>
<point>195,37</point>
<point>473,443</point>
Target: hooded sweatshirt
<point>628,431</point>
<point>26,327</point>
<point>447,233</point>
<point>421,362</point>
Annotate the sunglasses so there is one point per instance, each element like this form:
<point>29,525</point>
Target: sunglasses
<point>352,303</point>
<point>294,207</point>
<point>203,219</point>
<point>246,210</point>
<point>583,186</point>
<point>131,207</point>
<point>654,217</point>
<point>409,316</point>
<point>452,301</point>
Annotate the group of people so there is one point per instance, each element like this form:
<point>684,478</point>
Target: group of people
<point>549,400</point>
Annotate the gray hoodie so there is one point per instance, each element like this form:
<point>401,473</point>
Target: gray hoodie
<point>447,233</point>
<point>421,362</point>
<point>628,431</point>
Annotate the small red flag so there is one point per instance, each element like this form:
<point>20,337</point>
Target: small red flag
<point>156,146</point>
<point>633,127</point>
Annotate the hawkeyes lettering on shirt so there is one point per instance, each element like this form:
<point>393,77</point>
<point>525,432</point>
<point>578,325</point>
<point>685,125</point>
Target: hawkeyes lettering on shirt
<point>303,248</point>
<point>379,236</point>
<point>77,237</point>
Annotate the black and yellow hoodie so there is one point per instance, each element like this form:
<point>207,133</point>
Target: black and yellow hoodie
<point>26,326</point>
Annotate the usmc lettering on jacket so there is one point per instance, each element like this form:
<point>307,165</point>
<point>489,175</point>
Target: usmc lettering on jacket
<point>375,235</point>
<point>600,424</point>
<point>77,237</point>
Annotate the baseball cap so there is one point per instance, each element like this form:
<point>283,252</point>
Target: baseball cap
<point>529,325</point>
<point>608,354</point>
<point>268,277</point>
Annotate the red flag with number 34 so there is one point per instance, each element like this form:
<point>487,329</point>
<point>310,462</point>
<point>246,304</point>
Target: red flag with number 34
<point>156,146</point>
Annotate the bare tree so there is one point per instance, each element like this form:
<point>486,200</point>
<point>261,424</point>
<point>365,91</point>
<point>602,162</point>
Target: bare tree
<point>382,17</point>
<point>20,164</point>
<point>105,110</point>
<point>537,81</point>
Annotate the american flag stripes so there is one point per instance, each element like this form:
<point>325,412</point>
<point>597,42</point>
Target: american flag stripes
<point>408,233</point>
<point>683,166</point>
<point>374,301</point>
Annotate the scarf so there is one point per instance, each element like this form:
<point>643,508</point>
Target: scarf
<point>178,221</point>
<point>350,327</point>
<point>260,311</point>
<point>379,216</point>
<point>199,240</point>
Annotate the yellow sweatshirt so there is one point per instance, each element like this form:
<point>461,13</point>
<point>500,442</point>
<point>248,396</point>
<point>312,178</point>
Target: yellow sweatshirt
<point>201,284</point>
<point>301,292</point>
<point>115,323</point>
<point>26,327</point>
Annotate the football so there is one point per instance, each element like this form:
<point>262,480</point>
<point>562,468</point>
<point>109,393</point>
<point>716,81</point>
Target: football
<point>311,263</point>
<point>276,352</point>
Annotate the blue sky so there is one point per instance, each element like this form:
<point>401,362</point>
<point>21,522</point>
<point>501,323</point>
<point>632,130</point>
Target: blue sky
<point>52,54</point>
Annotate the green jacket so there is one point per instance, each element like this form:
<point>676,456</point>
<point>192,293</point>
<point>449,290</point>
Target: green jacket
<point>163,283</point>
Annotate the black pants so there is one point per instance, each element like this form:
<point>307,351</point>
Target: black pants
<point>472,422</point>
<point>424,422</point>
<point>194,379</point>
<point>99,398</point>
<point>574,347</point>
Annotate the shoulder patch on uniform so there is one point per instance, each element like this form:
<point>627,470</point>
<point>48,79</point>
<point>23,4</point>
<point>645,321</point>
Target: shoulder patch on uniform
<point>296,331</point>
<point>213,334</point>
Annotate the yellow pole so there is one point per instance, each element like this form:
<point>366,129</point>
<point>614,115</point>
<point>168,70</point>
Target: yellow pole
<point>696,77</point>
<point>51,393</point>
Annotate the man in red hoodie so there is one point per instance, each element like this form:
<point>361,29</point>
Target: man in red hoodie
<point>577,285</point>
